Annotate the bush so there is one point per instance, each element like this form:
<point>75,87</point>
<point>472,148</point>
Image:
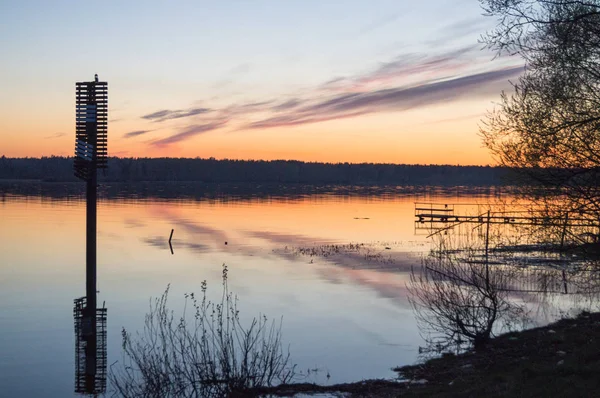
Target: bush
<point>212,355</point>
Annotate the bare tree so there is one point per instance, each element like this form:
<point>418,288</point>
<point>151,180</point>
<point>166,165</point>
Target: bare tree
<point>211,355</point>
<point>461,300</point>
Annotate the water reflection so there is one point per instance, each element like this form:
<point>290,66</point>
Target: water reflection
<point>184,191</point>
<point>161,243</point>
<point>347,312</point>
<point>90,348</point>
<point>483,277</point>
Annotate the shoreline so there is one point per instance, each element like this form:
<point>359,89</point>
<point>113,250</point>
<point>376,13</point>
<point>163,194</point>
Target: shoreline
<point>557,360</point>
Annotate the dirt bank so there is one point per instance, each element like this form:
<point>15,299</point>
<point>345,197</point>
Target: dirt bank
<point>558,360</point>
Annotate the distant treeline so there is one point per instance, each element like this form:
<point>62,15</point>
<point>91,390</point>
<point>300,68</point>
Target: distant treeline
<point>60,169</point>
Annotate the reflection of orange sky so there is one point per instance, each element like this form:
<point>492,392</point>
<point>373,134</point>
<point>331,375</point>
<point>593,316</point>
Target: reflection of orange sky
<point>311,221</point>
<point>320,218</point>
<point>44,243</point>
<point>43,255</point>
<point>432,135</point>
<point>47,238</point>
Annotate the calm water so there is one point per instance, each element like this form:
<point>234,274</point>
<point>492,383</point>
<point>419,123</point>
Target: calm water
<point>347,314</point>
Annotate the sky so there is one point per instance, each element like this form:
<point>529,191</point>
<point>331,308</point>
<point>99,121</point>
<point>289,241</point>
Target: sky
<point>315,80</point>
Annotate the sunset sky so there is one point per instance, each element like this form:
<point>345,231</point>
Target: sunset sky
<point>339,81</point>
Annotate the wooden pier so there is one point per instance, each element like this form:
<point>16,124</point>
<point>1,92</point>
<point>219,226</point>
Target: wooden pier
<point>532,268</point>
<point>430,217</point>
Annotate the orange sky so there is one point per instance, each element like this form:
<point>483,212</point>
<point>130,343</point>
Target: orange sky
<point>296,80</point>
<point>428,135</point>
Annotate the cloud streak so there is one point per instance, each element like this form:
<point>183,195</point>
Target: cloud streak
<point>411,67</point>
<point>55,135</point>
<point>136,133</point>
<point>190,132</point>
<point>391,99</point>
<point>405,82</point>
<point>292,103</point>
<point>166,114</point>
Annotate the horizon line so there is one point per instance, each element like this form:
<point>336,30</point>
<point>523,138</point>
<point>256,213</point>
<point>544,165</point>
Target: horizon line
<point>261,160</point>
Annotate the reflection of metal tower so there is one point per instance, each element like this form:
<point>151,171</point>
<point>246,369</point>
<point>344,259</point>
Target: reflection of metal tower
<point>90,367</point>
<point>90,155</point>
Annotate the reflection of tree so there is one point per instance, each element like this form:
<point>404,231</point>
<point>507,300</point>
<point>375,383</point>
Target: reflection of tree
<point>459,303</point>
<point>478,278</point>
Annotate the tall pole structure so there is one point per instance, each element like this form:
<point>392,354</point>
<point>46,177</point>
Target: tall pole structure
<point>90,155</point>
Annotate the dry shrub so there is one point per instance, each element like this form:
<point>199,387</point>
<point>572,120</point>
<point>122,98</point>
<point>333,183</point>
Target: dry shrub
<point>209,355</point>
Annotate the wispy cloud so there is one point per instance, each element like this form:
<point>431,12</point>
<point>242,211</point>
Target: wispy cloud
<point>166,114</point>
<point>297,119</point>
<point>136,133</point>
<point>55,135</point>
<point>289,104</point>
<point>405,82</point>
<point>190,132</point>
<point>247,108</point>
<point>399,98</point>
<point>405,69</point>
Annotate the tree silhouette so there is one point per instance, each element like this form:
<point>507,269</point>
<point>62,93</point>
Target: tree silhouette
<point>256,171</point>
<point>548,127</point>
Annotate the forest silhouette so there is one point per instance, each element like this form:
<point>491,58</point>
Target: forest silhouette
<point>60,169</point>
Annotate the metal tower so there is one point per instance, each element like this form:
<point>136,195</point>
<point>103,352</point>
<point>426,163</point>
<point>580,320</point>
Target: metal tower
<point>90,155</point>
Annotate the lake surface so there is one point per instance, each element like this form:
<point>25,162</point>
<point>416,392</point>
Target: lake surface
<point>347,314</point>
